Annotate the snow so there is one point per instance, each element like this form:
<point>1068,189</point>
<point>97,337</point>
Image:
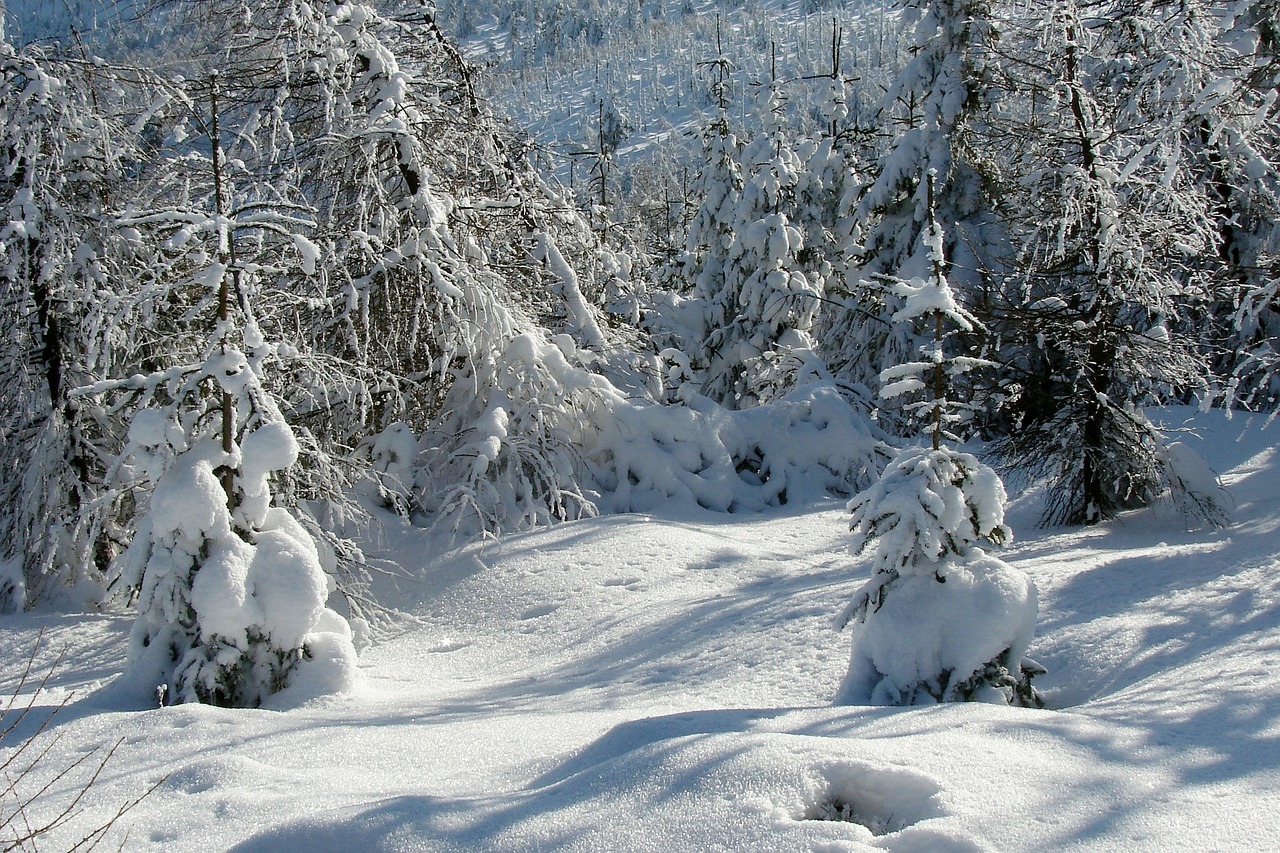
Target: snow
<point>924,627</point>
<point>922,298</point>
<point>269,447</point>
<point>664,682</point>
<point>308,253</point>
<point>583,321</point>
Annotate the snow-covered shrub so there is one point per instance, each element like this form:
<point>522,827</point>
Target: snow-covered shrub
<point>231,603</point>
<point>802,446</point>
<point>231,589</point>
<point>940,619</point>
<point>510,458</point>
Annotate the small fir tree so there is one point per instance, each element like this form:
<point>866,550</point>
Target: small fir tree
<point>769,299</point>
<point>940,620</point>
<point>231,589</point>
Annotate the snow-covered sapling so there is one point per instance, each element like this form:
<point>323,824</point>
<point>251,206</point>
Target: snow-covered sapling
<point>231,589</point>
<point>231,605</point>
<point>940,620</point>
<point>930,300</point>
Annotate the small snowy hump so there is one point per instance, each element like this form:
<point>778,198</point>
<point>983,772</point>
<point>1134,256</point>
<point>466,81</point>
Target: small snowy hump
<point>270,447</point>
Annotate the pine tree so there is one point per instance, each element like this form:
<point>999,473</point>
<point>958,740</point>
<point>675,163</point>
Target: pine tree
<point>929,113</point>
<point>939,620</point>
<point>930,109</point>
<point>768,300</point>
<point>703,268</point>
<point>1240,127</point>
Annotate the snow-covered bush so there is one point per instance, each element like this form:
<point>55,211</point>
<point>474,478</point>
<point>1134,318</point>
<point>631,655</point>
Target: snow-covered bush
<point>940,620</point>
<point>231,589</point>
<point>510,458</point>
<point>559,441</point>
<point>231,606</point>
<point>805,445</point>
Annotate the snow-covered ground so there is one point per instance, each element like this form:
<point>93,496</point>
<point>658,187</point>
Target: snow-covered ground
<point>664,682</point>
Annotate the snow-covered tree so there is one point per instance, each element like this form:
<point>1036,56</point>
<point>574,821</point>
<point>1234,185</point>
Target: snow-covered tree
<point>1240,127</point>
<point>72,141</point>
<point>826,198</point>
<point>1110,223</point>
<point>703,268</point>
<point>231,590</point>
<point>929,306</point>
<point>429,249</point>
<point>928,112</point>
<point>767,300</point>
<point>928,117</point>
<point>940,620</point>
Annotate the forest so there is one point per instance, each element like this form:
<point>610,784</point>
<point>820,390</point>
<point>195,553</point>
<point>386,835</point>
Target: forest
<point>413,343</point>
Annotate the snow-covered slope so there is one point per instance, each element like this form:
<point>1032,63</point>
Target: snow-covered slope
<point>556,68</point>
<point>26,21</point>
<point>664,683</point>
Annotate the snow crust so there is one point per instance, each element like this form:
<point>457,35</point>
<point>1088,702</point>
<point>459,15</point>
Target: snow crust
<point>665,682</point>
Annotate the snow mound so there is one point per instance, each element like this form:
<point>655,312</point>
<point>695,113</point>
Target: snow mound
<point>712,791</point>
<point>929,638</point>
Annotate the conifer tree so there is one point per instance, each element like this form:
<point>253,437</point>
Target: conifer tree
<point>1108,220</point>
<point>703,267</point>
<point>1240,127</point>
<point>231,589</point>
<point>929,115</point>
<point>940,620</point>
<point>766,300</point>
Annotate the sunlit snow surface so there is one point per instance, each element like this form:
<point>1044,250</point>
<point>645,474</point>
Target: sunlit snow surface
<point>663,683</point>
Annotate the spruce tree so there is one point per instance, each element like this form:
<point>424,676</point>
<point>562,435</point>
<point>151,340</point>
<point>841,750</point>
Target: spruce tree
<point>231,588</point>
<point>1108,220</point>
<point>940,620</point>
<point>930,117</point>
